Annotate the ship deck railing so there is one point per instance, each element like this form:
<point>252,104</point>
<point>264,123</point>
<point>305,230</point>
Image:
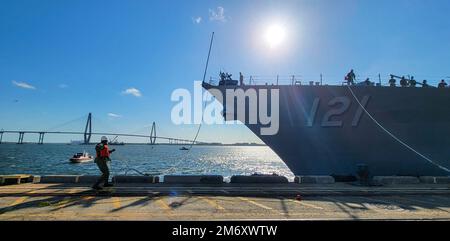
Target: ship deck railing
<point>298,79</point>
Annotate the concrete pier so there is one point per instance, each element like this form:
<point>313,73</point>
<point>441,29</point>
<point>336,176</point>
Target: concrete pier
<point>226,201</point>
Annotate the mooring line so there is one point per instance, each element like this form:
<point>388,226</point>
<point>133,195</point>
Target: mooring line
<point>393,136</point>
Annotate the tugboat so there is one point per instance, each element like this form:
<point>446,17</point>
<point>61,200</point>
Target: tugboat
<point>81,157</point>
<point>184,148</point>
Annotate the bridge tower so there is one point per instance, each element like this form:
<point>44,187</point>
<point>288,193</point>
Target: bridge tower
<point>41,138</point>
<point>21,134</point>
<point>153,134</point>
<point>1,136</point>
<point>88,129</point>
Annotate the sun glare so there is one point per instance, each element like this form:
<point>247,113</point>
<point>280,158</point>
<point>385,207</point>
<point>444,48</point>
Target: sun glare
<point>275,35</point>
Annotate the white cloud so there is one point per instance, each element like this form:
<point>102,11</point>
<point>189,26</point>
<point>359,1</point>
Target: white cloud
<point>197,20</point>
<point>217,15</point>
<point>23,85</point>
<point>132,91</point>
<point>114,115</point>
<point>63,86</point>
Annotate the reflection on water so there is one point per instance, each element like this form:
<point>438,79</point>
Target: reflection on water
<point>158,159</point>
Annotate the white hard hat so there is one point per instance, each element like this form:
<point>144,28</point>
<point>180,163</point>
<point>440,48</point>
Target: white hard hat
<point>104,138</point>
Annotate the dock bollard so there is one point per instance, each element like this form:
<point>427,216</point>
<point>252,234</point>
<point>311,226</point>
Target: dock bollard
<point>363,174</point>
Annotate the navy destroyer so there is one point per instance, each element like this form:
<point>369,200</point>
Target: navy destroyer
<point>333,130</point>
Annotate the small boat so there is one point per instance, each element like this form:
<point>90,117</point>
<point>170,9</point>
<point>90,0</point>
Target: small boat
<point>115,142</point>
<point>184,148</point>
<point>81,157</point>
<point>75,142</point>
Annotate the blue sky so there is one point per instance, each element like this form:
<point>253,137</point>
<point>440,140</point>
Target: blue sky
<point>60,60</point>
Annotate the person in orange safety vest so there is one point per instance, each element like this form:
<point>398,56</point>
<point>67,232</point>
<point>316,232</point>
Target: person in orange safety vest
<point>102,160</point>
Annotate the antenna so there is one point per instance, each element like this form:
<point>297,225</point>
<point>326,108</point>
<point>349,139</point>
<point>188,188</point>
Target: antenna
<point>209,53</point>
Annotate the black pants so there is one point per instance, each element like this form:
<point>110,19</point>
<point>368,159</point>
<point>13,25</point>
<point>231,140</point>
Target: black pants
<point>103,166</point>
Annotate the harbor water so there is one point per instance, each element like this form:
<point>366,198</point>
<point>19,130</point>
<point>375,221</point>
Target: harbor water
<point>53,159</point>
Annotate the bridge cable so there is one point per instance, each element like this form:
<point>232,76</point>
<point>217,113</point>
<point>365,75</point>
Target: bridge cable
<point>66,123</point>
<point>393,136</point>
<point>104,124</point>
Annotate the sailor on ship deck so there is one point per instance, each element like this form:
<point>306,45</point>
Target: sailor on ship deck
<point>350,77</point>
<point>392,81</point>
<point>368,82</point>
<point>403,82</point>
<point>442,84</point>
<point>412,82</point>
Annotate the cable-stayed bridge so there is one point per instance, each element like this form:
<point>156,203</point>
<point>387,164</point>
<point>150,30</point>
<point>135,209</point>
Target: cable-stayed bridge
<point>152,137</point>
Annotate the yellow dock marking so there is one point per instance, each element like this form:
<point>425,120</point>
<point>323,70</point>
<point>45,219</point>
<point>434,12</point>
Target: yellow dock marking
<point>213,203</point>
<point>306,204</point>
<point>69,200</point>
<point>116,203</point>
<point>18,201</point>
<point>72,191</point>
<point>163,204</point>
<point>255,203</point>
<point>65,202</point>
<point>87,198</point>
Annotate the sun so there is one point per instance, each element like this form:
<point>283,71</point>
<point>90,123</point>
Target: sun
<point>275,35</point>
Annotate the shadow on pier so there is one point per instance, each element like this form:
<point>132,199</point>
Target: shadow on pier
<point>59,197</point>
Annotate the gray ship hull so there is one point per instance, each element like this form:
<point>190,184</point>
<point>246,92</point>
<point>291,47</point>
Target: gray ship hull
<point>323,130</point>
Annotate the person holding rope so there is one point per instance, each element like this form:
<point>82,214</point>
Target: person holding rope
<point>102,160</point>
